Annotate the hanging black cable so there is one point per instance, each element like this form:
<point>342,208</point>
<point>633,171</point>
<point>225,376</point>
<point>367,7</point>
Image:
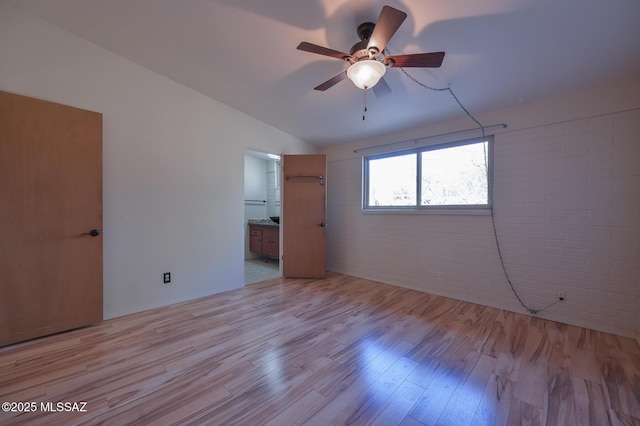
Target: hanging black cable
<point>491,211</point>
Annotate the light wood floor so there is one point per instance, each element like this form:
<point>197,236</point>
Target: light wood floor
<point>337,351</point>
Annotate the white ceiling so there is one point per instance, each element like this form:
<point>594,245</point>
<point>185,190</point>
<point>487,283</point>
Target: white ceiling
<point>243,53</point>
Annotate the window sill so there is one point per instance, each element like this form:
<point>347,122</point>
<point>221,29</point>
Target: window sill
<point>436,211</point>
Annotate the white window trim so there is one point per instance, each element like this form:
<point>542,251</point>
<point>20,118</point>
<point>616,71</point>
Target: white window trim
<point>466,209</point>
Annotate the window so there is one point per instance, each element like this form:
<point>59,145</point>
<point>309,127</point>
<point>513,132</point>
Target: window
<point>392,180</point>
<point>453,175</point>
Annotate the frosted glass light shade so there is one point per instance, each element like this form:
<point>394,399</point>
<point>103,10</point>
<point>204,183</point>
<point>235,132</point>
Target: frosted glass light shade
<point>365,74</point>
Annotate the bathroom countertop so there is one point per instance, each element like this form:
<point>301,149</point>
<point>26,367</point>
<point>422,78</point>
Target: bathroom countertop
<point>263,222</point>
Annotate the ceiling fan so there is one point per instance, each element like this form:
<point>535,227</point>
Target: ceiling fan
<point>367,57</point>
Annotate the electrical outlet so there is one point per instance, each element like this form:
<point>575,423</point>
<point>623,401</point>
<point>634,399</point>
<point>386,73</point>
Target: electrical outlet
<point>167,277</point>
<point>562,296</point>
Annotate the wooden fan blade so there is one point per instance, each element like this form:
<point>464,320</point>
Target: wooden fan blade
<point>422,60</point>
<point>388,23</point>
<point>314,48</point>
<point>381,88</point>
<point>331,82</point>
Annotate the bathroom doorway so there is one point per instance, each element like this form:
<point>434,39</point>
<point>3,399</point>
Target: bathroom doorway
<point>262,213</point>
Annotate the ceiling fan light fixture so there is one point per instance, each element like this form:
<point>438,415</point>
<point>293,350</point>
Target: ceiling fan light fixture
<point>366,73</point>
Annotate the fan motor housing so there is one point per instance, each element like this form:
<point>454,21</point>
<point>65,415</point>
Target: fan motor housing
<point>359,50</point>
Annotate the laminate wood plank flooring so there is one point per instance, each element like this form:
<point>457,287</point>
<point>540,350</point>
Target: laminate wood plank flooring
<point>340,350</point>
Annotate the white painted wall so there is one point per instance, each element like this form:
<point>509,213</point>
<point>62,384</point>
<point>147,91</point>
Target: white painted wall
<point>173,163</point>
<point>255,188</point>
<point>273,190</point>
<point>567,209</point>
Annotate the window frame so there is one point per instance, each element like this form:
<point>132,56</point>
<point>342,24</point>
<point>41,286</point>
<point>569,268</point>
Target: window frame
<point>419,208</point>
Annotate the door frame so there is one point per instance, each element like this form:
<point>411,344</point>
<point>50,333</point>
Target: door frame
<point>262,154</point>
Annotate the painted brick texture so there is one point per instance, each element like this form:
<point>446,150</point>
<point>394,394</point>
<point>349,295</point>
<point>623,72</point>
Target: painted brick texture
<point>567,210</point>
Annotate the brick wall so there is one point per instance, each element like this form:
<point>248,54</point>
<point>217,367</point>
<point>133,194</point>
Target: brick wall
<point>567,210</point>
<point>567,206</point>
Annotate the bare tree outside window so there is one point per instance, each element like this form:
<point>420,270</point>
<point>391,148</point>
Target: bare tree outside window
<point>392,181</point>
<point>451,175</point>
<point>455,176</point>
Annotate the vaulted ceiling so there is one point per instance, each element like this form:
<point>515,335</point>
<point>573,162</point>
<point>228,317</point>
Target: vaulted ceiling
<point>243,53</point>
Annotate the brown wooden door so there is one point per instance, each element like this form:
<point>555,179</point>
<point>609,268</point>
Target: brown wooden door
<point>303,216</point>
<point>50,196</point>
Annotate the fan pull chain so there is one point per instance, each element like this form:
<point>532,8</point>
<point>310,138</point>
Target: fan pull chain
<point>364,103</point>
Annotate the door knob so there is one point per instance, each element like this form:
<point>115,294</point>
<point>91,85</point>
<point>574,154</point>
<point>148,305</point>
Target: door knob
<point>323,224</point>
<point>93,233</point>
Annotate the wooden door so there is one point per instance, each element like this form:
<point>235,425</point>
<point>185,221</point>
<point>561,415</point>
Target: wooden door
<point>303,216</point>
<point>50,200</point>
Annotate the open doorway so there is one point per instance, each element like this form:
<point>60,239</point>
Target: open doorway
<point>262,213</point>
